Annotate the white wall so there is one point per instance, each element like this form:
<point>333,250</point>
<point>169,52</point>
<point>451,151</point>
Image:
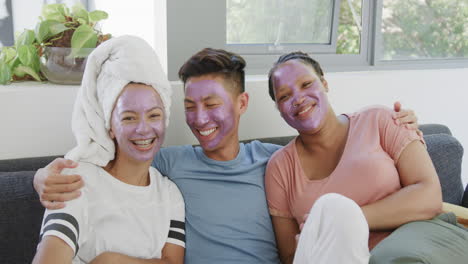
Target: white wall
<point>35,119</point>
<point>143,17</point>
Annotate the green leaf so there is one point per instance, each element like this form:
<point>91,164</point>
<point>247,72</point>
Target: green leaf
<point>8,54</point>
<point>29,57</point>
<point>25,54</point>
<point>14,63</point>
<point>80,13</point>
<point>49,28</point>
<point>83,37</point>
<point>22,70</point>
<point>55,12</point>
<point>5,73</point>
<point>41,31</point>
<point>26,38</point>
<point>56,28</point>
<point>97,15</point>
<point>82,21</point>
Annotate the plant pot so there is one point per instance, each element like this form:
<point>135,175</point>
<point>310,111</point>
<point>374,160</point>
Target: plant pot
<point>60,66</point>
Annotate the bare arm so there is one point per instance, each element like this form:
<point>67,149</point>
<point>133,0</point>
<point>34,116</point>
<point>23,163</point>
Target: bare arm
<point>55,188</point>
<point>420,198</point>
<point>171,254</point>
<point>286,230</point>
<point>53,250</point>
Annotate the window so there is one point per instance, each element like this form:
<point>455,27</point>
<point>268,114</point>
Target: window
<point>418,30</point>
<point>341,34</point>
<point>6,24</point>
<point>257,26</point>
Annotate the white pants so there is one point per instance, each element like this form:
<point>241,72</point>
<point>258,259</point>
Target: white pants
<point>336,232</point>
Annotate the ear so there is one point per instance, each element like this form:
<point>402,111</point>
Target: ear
<point>325,84</point>
<point>243,101</point>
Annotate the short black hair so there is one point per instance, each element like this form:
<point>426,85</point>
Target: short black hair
<point>218,62</point>
<point>296,55</point>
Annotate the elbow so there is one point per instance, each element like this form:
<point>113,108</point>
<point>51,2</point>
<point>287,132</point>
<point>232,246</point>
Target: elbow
<point>288,259</point>
<point>433,210</point>
<point>433,205</point>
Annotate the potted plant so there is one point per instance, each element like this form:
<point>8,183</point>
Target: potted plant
<point>56,49</point>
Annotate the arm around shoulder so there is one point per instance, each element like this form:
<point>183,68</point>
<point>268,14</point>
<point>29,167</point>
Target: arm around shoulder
<point>54,187</point>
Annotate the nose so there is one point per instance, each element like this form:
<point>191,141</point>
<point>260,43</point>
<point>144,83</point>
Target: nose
<point>298,100</point>
<point>201,117</point>
<point>143,127</point>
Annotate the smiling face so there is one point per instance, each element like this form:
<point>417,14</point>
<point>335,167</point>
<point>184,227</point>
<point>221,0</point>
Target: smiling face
<point>211,112</point>
<point>300,96</point>
<point>138,123</point>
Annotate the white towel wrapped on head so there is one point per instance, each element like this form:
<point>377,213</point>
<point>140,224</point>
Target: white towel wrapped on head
<point>110,67</point>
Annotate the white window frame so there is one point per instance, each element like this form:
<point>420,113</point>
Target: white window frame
<point>422,62</point>
<point>194,25</point>
<point>269,48</point>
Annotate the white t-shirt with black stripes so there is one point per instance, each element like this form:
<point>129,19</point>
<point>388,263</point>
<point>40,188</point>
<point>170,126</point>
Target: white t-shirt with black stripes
<point>111,215</point>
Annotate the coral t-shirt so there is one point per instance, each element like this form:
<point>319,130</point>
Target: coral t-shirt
<point>365,173</point>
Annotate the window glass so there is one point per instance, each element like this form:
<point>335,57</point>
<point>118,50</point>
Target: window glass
<point>349,27</point>
<point>279,21</point>
<point>424,29</point>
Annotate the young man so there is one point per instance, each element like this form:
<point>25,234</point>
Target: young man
<point>222,181</point>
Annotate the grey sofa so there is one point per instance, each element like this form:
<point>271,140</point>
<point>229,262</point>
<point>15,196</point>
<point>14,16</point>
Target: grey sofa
<point>21,212</point>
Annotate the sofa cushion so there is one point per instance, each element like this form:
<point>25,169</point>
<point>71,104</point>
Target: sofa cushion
<point>446,154</point>
<point>20,217</point>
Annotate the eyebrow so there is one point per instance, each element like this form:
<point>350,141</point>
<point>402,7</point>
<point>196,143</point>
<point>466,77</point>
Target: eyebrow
<point>149,110</point>
<point>206,98</point>
<point>189,101</point>
<point>299,80</point>
<point>210,97</point>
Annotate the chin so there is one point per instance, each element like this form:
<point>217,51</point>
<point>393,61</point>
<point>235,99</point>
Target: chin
<point>207,147</point>
<point>145,157</point>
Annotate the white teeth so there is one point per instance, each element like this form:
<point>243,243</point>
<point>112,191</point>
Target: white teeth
<point>207,132</point>
<point>143,142</point>
<point>305,110</point>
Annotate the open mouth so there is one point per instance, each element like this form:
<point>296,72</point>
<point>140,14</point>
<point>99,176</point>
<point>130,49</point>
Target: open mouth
<point>144,144</point>
<point>207,132</point>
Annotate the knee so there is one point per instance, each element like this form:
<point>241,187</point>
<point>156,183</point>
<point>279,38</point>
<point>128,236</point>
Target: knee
<point>341,212</point>
<point>338,206</point>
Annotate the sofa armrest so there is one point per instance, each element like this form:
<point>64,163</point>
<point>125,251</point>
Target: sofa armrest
<point>20,217</point>
<point>446,154</point>
<point>460,212</point>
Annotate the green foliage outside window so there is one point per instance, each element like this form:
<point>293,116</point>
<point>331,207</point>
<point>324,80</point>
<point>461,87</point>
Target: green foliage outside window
<point>414,29</point>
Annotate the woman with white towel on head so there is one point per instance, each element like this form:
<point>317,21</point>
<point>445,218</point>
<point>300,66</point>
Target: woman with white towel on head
<point>126,206</point>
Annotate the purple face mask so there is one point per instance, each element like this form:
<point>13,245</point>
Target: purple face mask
<point>300,96</point>
<point>209,112</point>
<point>138,122</point>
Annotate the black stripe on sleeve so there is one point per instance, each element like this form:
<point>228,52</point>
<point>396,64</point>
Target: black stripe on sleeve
<point>177,224</point>
<point>64,230</point>
<point>177,235</point>
<point>66,217</point>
